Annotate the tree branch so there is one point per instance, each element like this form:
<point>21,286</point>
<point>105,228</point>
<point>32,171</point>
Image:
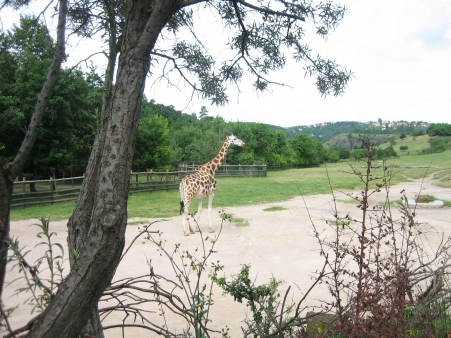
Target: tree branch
<point>44,96</point>
<point>269,11</point>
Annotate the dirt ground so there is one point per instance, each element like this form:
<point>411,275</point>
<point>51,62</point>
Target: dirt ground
<point>277,243</point>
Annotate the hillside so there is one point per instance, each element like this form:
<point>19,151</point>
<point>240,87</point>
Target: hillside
<point>324,132</point>
<point>350,141</point>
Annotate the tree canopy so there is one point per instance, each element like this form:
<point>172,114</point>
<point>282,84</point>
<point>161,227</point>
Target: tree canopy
<point>71,115</point>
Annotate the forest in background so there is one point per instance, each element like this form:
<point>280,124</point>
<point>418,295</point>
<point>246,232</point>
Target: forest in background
<point>166,137</point>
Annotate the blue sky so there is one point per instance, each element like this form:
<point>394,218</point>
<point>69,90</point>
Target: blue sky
<point>399,51</point>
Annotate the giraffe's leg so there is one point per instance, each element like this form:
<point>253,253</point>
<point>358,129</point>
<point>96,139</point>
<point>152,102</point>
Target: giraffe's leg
<point>199,210</point>
<point>186,218</point>
<point>191,231</point>
<point>210,203</point>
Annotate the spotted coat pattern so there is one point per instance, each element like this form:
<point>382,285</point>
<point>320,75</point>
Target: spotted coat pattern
<point>203,183</point>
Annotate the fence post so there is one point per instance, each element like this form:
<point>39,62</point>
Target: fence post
<point>52,184</point>
<point>167,179</point>
<point>23,185</point>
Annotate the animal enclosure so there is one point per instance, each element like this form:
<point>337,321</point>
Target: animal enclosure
<point>29,193</point>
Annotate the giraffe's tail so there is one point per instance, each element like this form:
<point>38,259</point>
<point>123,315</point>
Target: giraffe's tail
<point>182,206</point>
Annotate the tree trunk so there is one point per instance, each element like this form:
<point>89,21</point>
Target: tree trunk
<point>93,327</point>
<point>97,226</point>
<point>10,171</point>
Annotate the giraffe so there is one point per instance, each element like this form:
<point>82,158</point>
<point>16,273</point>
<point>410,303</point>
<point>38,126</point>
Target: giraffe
<point>203,183</point>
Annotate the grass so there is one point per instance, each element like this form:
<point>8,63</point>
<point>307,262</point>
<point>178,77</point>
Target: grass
<point>414,144</point>
<point>278,186</point>
<point>57,212</point>
<point>340,223</point>
<point>239,222</point>
<point>275,208</point>
<point>349,201</point>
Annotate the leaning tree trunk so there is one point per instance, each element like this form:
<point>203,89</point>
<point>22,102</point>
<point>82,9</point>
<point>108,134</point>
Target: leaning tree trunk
<point>97,226</point>
<point>93,327</point>
<point>9,171</point>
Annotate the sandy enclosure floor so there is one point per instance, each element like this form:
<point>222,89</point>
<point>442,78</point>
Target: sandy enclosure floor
<point>278,243</point>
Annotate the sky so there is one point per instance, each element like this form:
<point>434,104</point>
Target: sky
<point>399,52</point>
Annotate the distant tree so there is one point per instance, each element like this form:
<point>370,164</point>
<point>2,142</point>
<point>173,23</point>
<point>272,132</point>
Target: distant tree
<point>437,145</point>
<point>70,122</point>
<point>417,133</point>
<point>152,149</point>
<point>388,152</point>
<point>332,155</point>
<point>203,112</point>
<point>392,140</point>
<point>403,148</point>
<point>264,140</point>
<point>9,171</point>
<point>402,136</point>
<point>357,154</point>
<point>204,148</point>
<point>26,52</point>
<point>439,129</point>
<point>308,152</point>
<point>242,155</point>
<point>181,139</point>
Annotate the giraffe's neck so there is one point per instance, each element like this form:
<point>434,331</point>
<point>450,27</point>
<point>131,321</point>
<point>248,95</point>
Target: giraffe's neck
<point>216,161</point>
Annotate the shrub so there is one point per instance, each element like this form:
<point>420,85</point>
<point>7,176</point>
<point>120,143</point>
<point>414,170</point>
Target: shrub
<point>378,268</point>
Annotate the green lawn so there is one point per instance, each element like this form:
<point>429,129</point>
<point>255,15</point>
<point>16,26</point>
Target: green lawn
<point>415,145</point>
<point>278,186</point>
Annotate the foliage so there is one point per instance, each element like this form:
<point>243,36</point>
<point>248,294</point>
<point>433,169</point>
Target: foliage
<point>307,151</point>
<point>257,42</point>
<point>439,129</point>
<point>378,264</point>
<point>26,52</point>
<point>42,289</point>
<point>437,145</point>
<point>165,137</point>
<point>189,269</point>
<point>69,126</point>
<point>277,186</point>
<point>152,149</point>
<point>72,121</point>
<point>383,153</point>
<point>197,141</point>
<point>71,116</point>
<point>329,132</point>
<point>260,299</point>
<point>417,133</point>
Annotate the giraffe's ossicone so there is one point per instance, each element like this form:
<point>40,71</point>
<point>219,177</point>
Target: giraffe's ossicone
<point>203,183</point>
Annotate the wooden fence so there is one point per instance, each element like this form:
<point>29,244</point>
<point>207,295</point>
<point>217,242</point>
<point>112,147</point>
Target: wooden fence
<point>29,193</point>
<point>238,170</point>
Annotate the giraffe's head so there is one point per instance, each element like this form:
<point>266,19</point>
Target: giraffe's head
<point>232,139</point>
